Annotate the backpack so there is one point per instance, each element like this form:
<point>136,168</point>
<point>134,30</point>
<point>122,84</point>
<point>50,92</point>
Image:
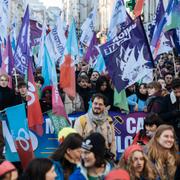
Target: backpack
<point>83,121</point>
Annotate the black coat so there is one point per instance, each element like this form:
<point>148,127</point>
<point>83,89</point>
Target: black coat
<point>7,97</point>
<point>170,113</point>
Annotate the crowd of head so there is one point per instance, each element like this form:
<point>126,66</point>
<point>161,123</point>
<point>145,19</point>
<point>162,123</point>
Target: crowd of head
<point>88,158</point>
<point>89,150</point>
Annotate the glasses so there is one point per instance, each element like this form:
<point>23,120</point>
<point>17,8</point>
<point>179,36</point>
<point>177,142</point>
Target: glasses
<point>3,80</point>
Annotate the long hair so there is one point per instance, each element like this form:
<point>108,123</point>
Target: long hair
<point>161,156</point>
<point>148,170</point>
<point>72,141</point>
<point>37,169</point>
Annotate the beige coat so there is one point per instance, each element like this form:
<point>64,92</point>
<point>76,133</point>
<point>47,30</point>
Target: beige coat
<point>84,127</point>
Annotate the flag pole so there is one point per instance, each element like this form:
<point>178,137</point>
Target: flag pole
<point>174,63</point>
<point>15,75</point>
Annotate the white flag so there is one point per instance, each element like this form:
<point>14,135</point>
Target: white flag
<point>4,19</point>
<point>56,41</point>
<point>88,28</point>
<point>118,16</point>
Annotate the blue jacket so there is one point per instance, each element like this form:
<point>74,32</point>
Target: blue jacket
<point>81,173</point>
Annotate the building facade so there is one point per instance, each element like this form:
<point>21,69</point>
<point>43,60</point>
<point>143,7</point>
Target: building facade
<point>80,9</point>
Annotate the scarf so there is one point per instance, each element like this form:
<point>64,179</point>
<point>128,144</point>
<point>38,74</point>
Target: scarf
<point>97,121</point>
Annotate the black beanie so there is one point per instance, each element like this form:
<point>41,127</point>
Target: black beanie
<point>95,143</point>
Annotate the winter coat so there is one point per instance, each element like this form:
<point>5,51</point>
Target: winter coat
<point>84,127</point>
<point>81,173</point>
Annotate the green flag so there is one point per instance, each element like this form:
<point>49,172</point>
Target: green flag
<point>59,122</point>
<point>173,20</point>
<point>120,100</point>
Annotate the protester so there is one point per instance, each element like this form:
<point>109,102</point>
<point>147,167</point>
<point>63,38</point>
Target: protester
<point>39,169</point>
<point>137,101</point>
<point>94,164</point>
<point>7,99</point>
<point>39,80</point>
<point>170,112</point>
<point>8,171</point>
<point>118,174</point>
<point>155,97</point>
<point>7,95</point>
<point>93,79</point>
<point>97,120</point>
<point>73,104</point>
<point>46,99</point>
<point>163,85</point>
<point>137,164</point>
<point>84,90</point>
<point>67,156</point>
<point>130,90</point>
<point>22,97</point>
<point>162,151</point>
<point>168,77</point>
<point>103,87</point>
<point>151,123</point>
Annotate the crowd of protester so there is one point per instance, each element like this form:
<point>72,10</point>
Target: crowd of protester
<point>89,151</point>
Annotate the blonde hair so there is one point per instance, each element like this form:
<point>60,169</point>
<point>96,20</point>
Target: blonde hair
<point>148,170</point>
<point>161,156</point>
<point>5,76</point>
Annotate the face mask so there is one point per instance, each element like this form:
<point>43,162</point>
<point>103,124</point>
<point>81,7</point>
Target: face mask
<point>150,134</point>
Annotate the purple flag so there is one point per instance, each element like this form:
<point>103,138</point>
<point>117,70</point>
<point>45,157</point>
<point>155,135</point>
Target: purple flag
<point>22,54</point>
<point>36,31</point>
<point>0,57</point>
<point>10,57</point>
<point>92,51</point>
<point>127,56</point>
<point>176,39</point>
<point>157,18</point>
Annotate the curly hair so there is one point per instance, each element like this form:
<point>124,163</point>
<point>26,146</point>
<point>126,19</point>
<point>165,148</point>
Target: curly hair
<point>148,170</point>
<point>161,156</point>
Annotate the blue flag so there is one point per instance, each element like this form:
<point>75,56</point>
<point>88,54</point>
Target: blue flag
<point>18,126</point>
<point>22,53</point>
<point>158,31</point>
<point>157,18</point>
<point>46,68</point>
<point>100,64</point>
<point>72,42</point>
<point>127,56</point>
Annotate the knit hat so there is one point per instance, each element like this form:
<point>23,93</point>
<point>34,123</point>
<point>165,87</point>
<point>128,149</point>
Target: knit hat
<point>118,174</point>
<point>95,143</point>
<point>63,133</point>
<point>47,88</point>
<point>6,167</point>
<point>130,150</point>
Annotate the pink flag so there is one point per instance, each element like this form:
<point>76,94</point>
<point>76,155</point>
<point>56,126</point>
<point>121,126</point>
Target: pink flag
<point>57,104</point>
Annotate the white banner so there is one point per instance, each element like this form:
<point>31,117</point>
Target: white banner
<point>56,41</point>
<point>4,19</point>
<point>88,28</point>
